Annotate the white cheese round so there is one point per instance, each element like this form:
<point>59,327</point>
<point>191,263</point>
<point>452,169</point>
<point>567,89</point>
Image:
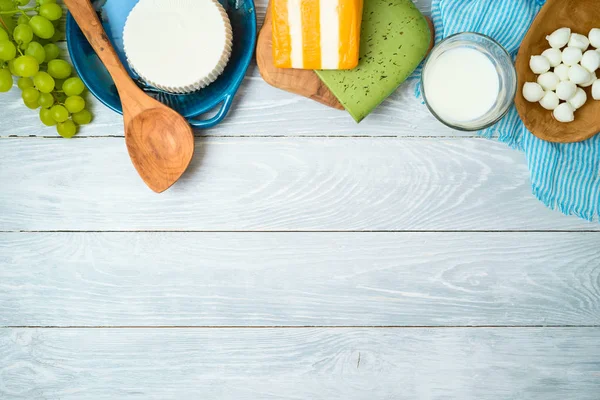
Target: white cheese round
<point>179,46</point>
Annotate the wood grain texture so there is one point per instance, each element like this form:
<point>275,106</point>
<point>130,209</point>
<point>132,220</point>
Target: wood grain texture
<point>249,364</point>
<point>299,279</point>
<point>581,16</point>
<point>271,184</point>
<point>303,82</point>
<point>160,143</point>
<point>259,110</point>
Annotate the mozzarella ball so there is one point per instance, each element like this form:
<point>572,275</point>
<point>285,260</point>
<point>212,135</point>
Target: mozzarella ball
<point>589,83</point>
<point>564,113</point>
<point>548,80</point>
<point>533,92</point>
<point>549,101</point>
<point>539,64</point>
<point>562,71</point>
<point>559,38</point>
<point>596,90</point>
<point>578,100</point>
<point>565,90</point>
<point>554,56</point>
<point>578,74</point>
<point>594,37</point>
<point>579,41</point>
<point>571,56</point>
<point>591,60</point>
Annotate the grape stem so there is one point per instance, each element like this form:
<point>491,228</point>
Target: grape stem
<point>25,14</point>
<point>3,24</point>
<point>13,12</point>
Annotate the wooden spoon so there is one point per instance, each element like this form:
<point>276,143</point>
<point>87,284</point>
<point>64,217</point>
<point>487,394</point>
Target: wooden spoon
<point>159,140</point>
<point>581,16</point>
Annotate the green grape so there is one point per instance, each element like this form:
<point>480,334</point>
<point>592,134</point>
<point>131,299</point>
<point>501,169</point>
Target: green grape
<point>60,96</point>
<point>52,51</point>
<point>23,19</point>
<point>23,34</point>
<point>7,21</point>
<point>44,82</point>
<point>32,105</point>
<point>25,83</point>
<point>58,35</point>
<point>11,67</point>
<point>73,86</point>
<point>51,11</point>
<point>36,51</point>
<point>26,66</point>
<point>46,117</point>
<point>42,27</point>
<point>83,117</point>
<point>59,113</point>
<point>6,80</point>
<point>3,35</point>
<point>22,2</point>
<point>42,2</point>
<point>30,95</point>
<point>59,85</point>
<point>46,100</point>
<point>8,50</point>
<point>67,129</point>
<point>74,104</point>
<point>59,69</point>
<point>6,5</point>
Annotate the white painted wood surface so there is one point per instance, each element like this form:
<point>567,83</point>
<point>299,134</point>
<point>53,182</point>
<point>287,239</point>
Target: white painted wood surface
<point>308,184</point>
<point>299,279</point>
<point>274,226</point>
<point>259,110</point>
<point>318,364</point>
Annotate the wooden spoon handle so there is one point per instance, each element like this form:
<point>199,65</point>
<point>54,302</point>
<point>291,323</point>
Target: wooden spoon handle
<point>87,19</point>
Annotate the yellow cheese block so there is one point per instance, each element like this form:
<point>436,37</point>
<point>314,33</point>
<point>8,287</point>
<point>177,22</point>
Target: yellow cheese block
<point>316,34</point>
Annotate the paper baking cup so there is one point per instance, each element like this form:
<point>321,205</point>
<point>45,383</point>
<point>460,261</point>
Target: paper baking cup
<point>137,59</point>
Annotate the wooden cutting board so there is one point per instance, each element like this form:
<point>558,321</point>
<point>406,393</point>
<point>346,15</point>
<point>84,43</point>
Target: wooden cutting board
<point>298,81</point>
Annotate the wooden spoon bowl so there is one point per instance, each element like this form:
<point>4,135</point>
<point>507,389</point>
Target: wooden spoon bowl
<point>159,140</point>
<point>581,16</point>
<point>162,146</point>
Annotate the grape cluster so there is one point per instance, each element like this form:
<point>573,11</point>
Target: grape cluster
<point>28,51</point>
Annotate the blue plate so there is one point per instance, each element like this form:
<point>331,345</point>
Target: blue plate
<point>220,93</point>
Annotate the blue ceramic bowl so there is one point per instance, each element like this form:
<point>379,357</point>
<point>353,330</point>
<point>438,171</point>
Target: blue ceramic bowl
<point>218,94</point>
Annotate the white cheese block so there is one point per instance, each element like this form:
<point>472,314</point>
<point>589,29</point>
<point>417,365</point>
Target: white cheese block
<point>179,46</point>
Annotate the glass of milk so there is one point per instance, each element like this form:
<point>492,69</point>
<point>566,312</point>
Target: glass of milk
<point>469,81</point>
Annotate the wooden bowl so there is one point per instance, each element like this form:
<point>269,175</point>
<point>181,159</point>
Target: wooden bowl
<point>581,16</point>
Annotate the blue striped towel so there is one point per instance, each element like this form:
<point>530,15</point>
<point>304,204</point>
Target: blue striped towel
<point>563,176</point>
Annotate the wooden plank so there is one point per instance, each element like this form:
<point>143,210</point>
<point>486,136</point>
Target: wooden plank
<point>477,364</point>
<point>276,184</point>
<point>260,110</point>
<point>299,279</point>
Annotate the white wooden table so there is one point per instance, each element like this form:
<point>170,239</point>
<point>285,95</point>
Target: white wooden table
<point>301,257</point>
